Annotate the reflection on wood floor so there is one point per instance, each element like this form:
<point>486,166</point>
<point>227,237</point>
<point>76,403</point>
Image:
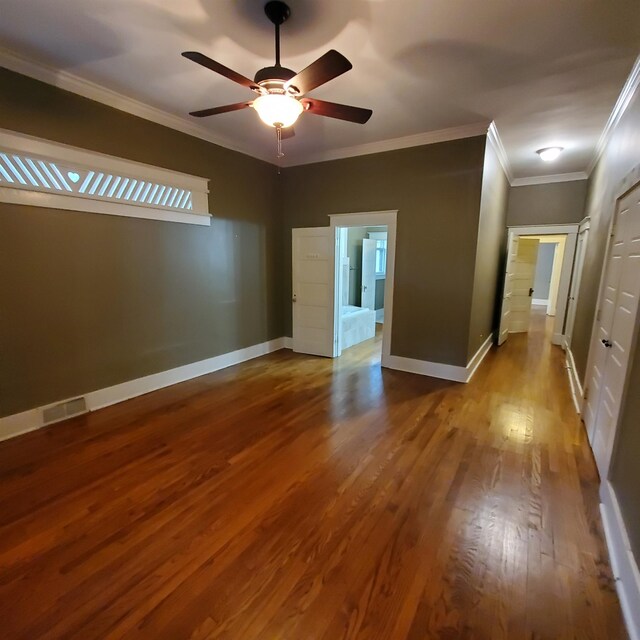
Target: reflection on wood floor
<point>304,498</point>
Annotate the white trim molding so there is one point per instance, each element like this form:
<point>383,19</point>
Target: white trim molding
<point>32,419</point>
<point>496,141</point>
<point>440,370</point>
<point>83,87</point>
<point>550,179</point>
<point>623,563</point>
<point>392,144</point>
<point>574,381</point>
<point>622,104</point>
<point>42,173</point>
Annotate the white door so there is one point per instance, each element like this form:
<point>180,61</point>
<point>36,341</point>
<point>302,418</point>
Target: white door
<point>615,331</point>
<point>575,284</point>
<point>368,274</point>
<point>505,313</point>
<point>524,270</point>
<point>313,254</point>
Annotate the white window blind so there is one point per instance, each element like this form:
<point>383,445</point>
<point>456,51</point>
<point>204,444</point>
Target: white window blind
<point>42,173</point>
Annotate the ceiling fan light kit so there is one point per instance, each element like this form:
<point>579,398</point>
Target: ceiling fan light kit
<point>280,101</point>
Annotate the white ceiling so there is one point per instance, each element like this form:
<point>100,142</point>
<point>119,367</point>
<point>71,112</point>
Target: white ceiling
<point>547,71</point>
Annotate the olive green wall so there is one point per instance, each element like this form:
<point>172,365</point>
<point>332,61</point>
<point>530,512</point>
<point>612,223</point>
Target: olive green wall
<point>620,156</point>
<point>553,203</point>
<point>436,190</point>
<point>91,300</point>
<point>490,251</point>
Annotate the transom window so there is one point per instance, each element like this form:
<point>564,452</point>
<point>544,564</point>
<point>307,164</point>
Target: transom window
<point>69,178</point>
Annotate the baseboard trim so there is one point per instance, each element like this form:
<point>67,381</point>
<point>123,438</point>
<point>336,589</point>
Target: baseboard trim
<point>623,563</point>
<point>574,381</point>
<point>540,302</point>
<point>288,342</point>
<point>440,370</point>
<point>30,420</point>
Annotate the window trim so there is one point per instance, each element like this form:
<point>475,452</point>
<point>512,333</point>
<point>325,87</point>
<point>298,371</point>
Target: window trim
<point>19,143</point>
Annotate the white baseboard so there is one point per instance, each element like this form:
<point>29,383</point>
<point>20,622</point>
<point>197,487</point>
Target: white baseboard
<point>539,302</point>
<point>32,419</point>
<point>623,562</point>
<point>439,370</point>
<point>574,381</point>
<point>380,315</point>
<point>288,342</point>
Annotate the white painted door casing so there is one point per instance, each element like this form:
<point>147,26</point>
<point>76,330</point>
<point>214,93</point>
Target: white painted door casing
<point>313,255</point>
<point>505,313</point>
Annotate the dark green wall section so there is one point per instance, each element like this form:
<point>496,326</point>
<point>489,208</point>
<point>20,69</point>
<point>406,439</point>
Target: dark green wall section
<point>436,190</point>
<point>490,252</point>
<point>553,203</point>
<point>91,300</point>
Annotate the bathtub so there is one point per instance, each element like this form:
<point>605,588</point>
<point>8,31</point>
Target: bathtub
<point>358,324</point>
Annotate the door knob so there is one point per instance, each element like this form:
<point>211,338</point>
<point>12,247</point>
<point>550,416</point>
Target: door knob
<point>364,287</point>
<point>294,298</point>
<point>530,291</point>
<point>607,343</point>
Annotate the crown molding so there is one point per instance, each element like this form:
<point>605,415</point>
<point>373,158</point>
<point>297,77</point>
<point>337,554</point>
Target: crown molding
<point>555,177</point>
<point>88,89</point>
<point>392,144</point>
<point>496,142</point>
<point>622,104</point>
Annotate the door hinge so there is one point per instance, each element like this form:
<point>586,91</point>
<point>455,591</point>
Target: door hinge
<point>598,314</point>
<point>585,395</point>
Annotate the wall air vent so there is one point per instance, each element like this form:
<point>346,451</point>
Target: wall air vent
<point>42,173</point>
<point>63,410</point>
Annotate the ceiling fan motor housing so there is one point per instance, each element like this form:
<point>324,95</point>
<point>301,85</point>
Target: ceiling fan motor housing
<point>276,73</point>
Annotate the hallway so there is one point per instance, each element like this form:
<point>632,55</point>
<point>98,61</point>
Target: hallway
<point>307,498</point>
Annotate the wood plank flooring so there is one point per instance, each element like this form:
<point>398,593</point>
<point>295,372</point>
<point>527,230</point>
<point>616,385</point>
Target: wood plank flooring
<point>301,498</point>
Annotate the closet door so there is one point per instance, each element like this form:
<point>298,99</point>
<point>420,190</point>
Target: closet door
<point>616,330</point>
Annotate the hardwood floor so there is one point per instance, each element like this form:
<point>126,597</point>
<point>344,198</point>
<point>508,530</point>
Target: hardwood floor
<point>294,497</point>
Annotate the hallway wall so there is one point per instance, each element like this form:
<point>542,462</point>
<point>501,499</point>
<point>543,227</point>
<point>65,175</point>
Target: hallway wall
<point>620,156</point>
<point>552,203</point>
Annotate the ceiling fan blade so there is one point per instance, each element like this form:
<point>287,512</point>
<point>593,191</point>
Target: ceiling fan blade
<point>203,113</point>
<point>287,132</point>
<point>335,110</point>
<point>327,67</point>
<point>207,62</point>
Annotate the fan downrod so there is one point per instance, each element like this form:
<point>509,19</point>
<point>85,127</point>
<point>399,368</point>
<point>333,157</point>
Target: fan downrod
<point>278,12</point>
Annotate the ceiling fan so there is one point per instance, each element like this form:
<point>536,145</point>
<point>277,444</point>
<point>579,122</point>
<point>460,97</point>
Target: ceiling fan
<point>281,90</point>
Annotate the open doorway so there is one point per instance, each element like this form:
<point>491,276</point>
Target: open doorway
<point>547,273</point>
<point>360,286</point>
<point>538,275</point>
<point>320,288</point>
<point>364,278</point>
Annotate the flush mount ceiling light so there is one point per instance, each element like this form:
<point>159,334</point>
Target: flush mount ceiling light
<point>280,90</point>
<point>549,154</point>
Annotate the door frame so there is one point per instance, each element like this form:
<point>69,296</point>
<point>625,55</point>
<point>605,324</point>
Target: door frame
<point>367,219</point>
<point>622,191</point>
<point>576,281</point>
<point>571,231</point>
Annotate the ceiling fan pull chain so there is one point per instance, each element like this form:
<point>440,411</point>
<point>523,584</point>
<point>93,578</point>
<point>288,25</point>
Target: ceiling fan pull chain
<point>279,153</point>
